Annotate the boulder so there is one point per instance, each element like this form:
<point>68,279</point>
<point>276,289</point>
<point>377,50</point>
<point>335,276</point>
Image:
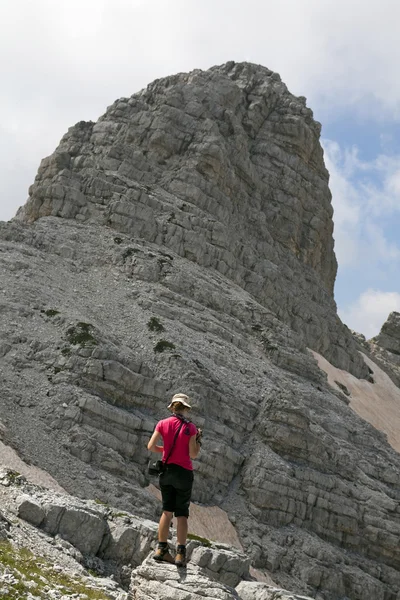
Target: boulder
<point>30,511</point>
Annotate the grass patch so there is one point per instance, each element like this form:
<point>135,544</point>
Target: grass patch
<point>81,335</point>
<point>198,538</point>
<point>121,515</point>
<point>66,351</point>
<point>129,252</point>
<point>13,476</point>
<point>50,312</point>
<point>26,567</point>
<point>163,345</point>
<point>155,325</point>
<point>101,502</point>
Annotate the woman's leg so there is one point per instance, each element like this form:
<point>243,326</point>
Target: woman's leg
<point>168,500</point>
<point>168,495</point>
<point>181,530</point>
<point>182,514</point>
<point>163,526</point>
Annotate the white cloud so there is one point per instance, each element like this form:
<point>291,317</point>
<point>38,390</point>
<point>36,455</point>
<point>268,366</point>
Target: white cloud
<point>365,196</point>
<point>345,195</point>
<point>370,311</point>
<point>393,184</point>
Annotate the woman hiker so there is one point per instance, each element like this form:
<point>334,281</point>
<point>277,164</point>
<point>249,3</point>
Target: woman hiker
<point>177,479</point>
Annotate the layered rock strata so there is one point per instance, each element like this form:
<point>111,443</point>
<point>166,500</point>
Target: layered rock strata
<point>132,289</point>
<point>223,167</point>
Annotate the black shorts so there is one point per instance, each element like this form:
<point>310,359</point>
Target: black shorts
<point>176,489</point>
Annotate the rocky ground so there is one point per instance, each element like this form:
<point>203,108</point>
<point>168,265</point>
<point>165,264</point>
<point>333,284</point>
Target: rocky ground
<point>54,546</point>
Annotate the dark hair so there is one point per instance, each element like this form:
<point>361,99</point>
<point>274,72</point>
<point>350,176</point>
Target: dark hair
<point>178,407</point>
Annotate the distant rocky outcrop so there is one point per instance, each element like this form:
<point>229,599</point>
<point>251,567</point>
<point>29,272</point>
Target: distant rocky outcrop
<point>385,347</point>
<point>389,336</point>
<point>184,243</point>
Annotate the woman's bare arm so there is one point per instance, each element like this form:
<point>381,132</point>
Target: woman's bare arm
<point>194,447</point>
<point>152,445</point>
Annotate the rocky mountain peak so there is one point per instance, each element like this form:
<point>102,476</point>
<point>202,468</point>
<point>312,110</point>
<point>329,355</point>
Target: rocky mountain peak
<point>223,167</point>
<point>232,143</point>
<point>183,243</point>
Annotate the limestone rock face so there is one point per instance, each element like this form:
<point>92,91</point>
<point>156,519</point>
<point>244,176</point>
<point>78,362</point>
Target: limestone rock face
<point>385,347</point>
<point>225,168</point>
<point>389,336</point>
<point>183,243</point>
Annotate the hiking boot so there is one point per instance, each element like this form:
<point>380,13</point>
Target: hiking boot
<point>180,558</point>
<point>162,554</point>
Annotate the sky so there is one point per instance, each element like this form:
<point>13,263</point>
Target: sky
<point>63,62</point>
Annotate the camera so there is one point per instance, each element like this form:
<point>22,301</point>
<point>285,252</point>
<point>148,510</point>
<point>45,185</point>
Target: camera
<point>156,467</point>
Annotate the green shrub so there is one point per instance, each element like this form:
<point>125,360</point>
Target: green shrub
<point>50,312</point>
<point>13,475</point>
<point>81,335</point>
<point>128,252</point>
<point>155,325</point>
<point>101,502</point>
<point>121,515</point>
<point>164,345</point>
<point>198,538</point>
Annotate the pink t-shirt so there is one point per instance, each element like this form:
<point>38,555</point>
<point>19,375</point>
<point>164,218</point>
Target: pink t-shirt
<point>180,453</point>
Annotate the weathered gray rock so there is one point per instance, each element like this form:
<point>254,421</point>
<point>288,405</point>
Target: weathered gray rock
<point>5,525</point>
<point>224,168</point>
<point>180,254</point>
<point>225,566</point>
<point>129,543</point>
<point>30,511</point>
<point>151,580</point>
<point>35,564</point>
<point>252,590</point>
<point>389,336</point>
<point>385,347</point>
<point>111,535</point>
<point>82,526</point>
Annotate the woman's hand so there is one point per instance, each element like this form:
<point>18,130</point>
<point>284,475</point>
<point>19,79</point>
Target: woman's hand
<point>199,435</point>
<point>194,447</point>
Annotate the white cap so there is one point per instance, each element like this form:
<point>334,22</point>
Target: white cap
<point>182,398</point>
